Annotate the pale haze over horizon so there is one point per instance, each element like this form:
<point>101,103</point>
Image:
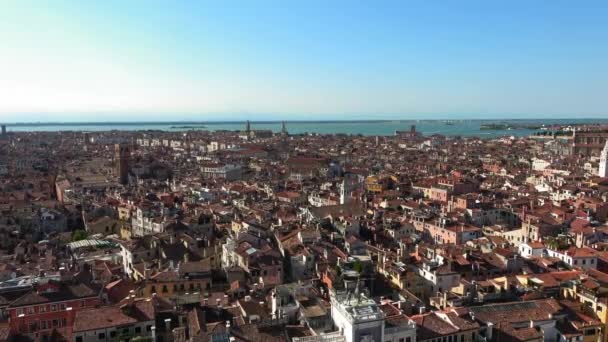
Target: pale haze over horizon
<point>316,60</point>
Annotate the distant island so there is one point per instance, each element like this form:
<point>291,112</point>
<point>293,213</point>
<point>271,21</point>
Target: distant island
<point>507,126</point>
<point>188,127</point>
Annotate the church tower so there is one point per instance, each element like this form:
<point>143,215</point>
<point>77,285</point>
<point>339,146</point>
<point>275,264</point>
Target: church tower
<point>344,195</point>
<point>122,154</point>
<point>346,189</point>
<point>603,171</point>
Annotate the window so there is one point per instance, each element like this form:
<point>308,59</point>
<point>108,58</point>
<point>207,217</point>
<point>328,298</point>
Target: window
<point>62,306</point>
<point>149,328</point>
<point>29,310</point>
<point>53,307</point>
<point>101,336</point>
<point>584,261</point>
<point>408,339</point>
<point>55,323</point>
<point>42,308</point>
<point>137,330</point>
<point>165,290</point>
<point>82,304</point>
<point>112,334</point>
<point>592,261</point>
<point>43,325</point>
<point>78,338</point>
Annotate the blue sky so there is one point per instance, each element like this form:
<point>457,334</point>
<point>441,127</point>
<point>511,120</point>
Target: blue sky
<point>266,60</point>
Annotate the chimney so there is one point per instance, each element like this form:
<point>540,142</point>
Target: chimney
<point>489,331</point>
<point>228,329</point>
<point>131,297</point>
<point>167,325</point>
<point>70,318</point>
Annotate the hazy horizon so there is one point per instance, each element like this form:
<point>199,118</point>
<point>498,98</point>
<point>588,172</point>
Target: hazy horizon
<point>290,120</point>
<point>262,118</point>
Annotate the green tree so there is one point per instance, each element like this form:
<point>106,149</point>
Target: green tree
<point>78,235</point>
<point>357,266</point>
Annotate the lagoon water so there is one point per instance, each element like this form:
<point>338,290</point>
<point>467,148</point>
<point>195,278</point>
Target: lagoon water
<point>369,128</point>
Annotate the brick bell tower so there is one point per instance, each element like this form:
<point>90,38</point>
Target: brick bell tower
<point>122,154</point>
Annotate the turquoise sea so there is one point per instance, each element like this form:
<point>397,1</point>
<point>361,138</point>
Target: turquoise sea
<point>369,128</point>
